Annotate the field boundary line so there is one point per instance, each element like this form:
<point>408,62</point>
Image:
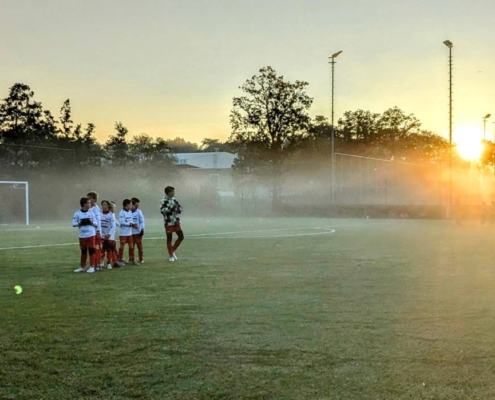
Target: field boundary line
<point>218,235</point>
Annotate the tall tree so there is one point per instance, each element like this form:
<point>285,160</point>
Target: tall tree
<point>66,119</point>
<point>180,145</point>
<point>359,127</point>
<point>85,149</point>
<point>147,151</point>
<point>213,145</point>
<point>24,125</point>
<point>267,121</point>
<point>116,147</point>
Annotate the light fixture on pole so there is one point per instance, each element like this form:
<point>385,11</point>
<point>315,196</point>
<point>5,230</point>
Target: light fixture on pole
<point>485,118</point>
<point>333,62</point>
<point>449,44</point>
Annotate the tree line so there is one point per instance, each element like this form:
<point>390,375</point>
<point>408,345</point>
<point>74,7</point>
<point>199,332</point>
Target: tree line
<point>270,124</point>
<point>31,136</point>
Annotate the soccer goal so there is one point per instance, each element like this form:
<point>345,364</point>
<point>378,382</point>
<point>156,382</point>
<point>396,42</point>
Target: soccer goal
<point>11,200</point>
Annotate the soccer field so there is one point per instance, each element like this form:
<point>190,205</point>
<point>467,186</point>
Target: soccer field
<point>254,309</point>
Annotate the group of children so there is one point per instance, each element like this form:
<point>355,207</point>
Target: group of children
<point>98,229</point>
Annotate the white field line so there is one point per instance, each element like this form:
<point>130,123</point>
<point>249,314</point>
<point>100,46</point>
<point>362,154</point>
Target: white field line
<point>39,246</point>
<point>35,229</point>
<point>219,235</point>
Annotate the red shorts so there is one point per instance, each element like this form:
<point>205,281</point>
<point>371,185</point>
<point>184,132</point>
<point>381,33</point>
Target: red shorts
<point>126,240</point>
<point>173,228</point>
<point>87,243</point>
<point>137,238</point>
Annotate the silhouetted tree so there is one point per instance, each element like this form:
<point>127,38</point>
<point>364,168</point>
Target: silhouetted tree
<point>116,147</point>
<point>269,119</point>
<point>24,126</point>
<point>179,145</point>
<point>147,151</point>
<point>212,145</point>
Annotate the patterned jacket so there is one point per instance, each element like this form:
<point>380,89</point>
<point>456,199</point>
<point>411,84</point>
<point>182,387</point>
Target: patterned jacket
<point>170,209</point>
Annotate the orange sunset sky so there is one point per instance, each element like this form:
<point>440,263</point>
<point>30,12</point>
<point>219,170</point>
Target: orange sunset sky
<point>171,68</point>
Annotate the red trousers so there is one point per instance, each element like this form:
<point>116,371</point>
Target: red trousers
<point>170,230</point>
<point>87,245</point>
<point>138,241</point>
<point>123,241</point>
<point>98,255</point>
<point>109,248</point>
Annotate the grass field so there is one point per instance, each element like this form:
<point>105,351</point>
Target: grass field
<point>254,309</point>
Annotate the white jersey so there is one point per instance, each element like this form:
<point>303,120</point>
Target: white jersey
<point>108,226</point>
<point>117,223</point>
<point>138,219</point>
<point>96,211</point>
<point>86,222</point>
<point>125,220</point>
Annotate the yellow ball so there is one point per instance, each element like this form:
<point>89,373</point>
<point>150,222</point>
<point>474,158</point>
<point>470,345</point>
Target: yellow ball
<point>18,289</point>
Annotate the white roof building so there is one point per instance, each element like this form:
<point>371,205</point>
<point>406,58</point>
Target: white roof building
<point>216,160</point>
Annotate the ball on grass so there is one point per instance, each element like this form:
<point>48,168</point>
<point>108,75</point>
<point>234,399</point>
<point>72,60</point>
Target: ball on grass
<point>18,289</point>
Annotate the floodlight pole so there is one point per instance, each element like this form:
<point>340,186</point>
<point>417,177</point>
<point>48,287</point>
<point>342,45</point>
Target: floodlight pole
<point>449,44</point>
<point>333,62</point>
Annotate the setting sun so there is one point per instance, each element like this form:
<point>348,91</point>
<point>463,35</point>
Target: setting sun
<point>468,143</point>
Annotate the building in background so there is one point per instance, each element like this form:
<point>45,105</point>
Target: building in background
<point>208,169</point>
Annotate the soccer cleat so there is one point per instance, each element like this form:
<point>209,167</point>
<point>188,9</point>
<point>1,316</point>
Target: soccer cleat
<point>134,262</point>
<point>109,266</point>
<point>80,269</point>
<point>141,261</point>
<point>90,270</point>
<point>98,269</point>
<point>171,259</point>
<point>174,256</point>
<point>116,265</point>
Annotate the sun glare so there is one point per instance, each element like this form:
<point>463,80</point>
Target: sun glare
<point>468,143</point>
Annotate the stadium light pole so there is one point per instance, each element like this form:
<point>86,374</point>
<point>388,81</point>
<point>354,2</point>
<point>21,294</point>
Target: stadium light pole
<point>485,118</point>
<point>333,62</point>
<point>449,44</point>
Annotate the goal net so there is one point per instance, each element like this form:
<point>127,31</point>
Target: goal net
<point>14,202</point>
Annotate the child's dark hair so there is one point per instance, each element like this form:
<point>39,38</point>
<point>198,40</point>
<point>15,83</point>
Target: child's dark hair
<point>169,189</point>
<point>135,200</point>
<point>106,202</point>
<point>126,202</point>
<point>92,195</point>
<point>83,201</point>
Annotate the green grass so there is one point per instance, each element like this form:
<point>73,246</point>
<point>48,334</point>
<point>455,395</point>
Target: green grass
<point>376,310</point>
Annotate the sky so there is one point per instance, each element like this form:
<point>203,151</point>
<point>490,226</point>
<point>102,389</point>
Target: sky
<point>171,68</point>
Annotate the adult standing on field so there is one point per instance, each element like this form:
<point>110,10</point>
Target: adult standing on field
<point>171,211</point>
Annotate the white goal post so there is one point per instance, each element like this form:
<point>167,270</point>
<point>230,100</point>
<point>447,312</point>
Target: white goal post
<point>16,185</point>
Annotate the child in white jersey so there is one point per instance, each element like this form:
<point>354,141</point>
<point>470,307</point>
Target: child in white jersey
<point>138,233</point>
<point>125,234</point>
<point>108,235</point>
<point>93,198</point>
<point>113,207</point>
<point>85,220</point>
